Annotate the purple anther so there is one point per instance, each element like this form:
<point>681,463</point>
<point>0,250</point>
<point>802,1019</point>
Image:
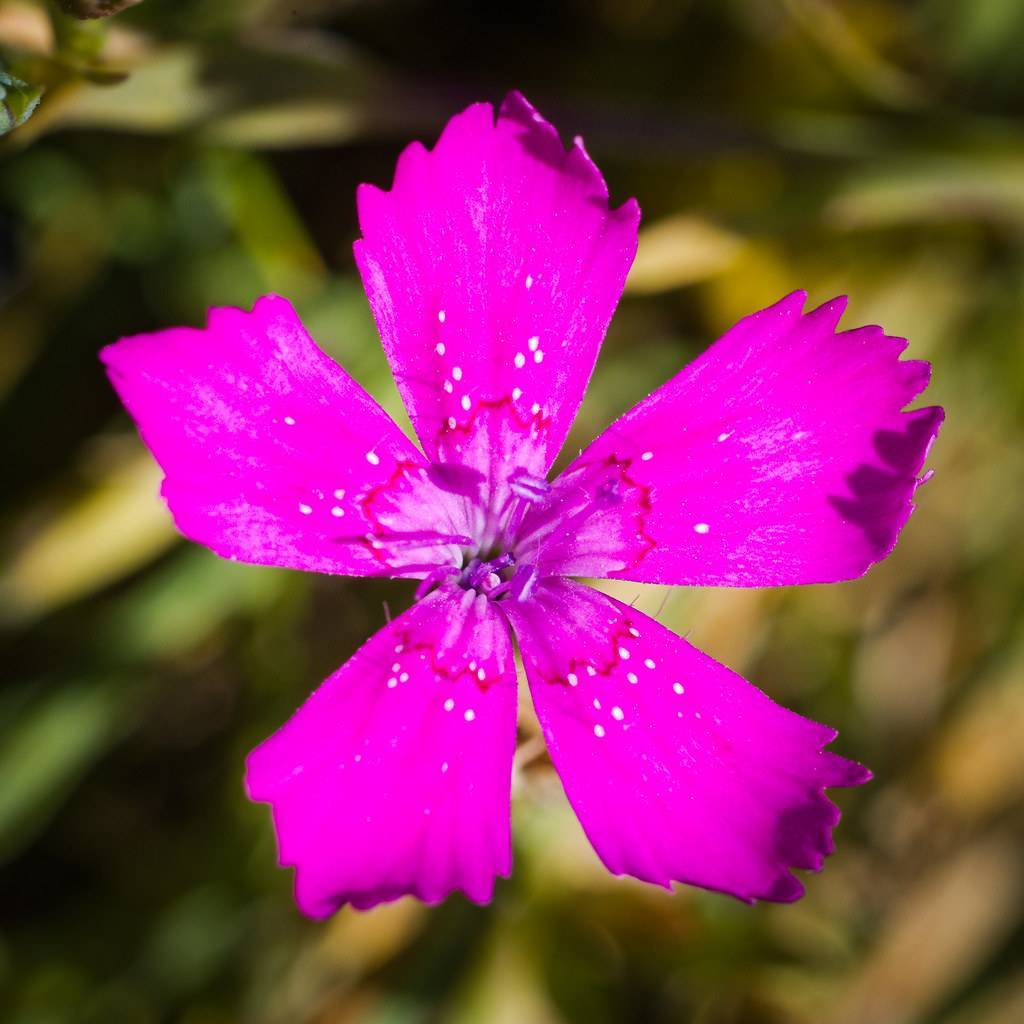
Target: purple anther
<point>433,579</point>
<point>501,562</point>
<point>474,573</point>
<point>529,488</point>
<point>456,479</point>
<point>523,582</point>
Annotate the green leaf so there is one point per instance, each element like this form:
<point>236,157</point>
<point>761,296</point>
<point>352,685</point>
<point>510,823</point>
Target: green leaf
<point>185,602</point>
<point>18,101</point>
<point>118,526</point>
<point>45,751</point>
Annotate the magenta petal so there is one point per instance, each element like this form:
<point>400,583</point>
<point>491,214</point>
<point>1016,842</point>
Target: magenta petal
<point>493,266</point>
<point>393,778</point>
<point>780,456</point>
<point>273,454</point>
<point>678,769</point>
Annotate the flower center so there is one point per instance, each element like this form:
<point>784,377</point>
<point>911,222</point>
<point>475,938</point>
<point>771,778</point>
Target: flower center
<point>493,564</point>
<point>488,576</point>
<point>498,577</point>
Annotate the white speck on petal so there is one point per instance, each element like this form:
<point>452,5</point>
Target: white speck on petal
<point>529,280</point>
<point>591,671</point>
<point>439,348</point>
<point>520,360</point>
<point>304,509</point>
<point>633,631</point>
<point>466,403</point>
<point>631,677</point>
<point>725,435</point>
<point>444,766</point>
<point>452,421</point>
<point>404,677</point>
<point>533,343</point>
<point>339,494</point>
<point>373,458</point>
<point>598,731</point>
<point>449,704</point>
<point>481,674</point>
<point>623,654</point>
<point>440,316</point>
<point>649,663</point>
<point>535,408</point>
<point>647,456</point>
<point>392,683</point>
<point>469,715</point>
<point>572,678</point>
<point>678,688</point>
<point>449,387</point>
<point>290,420</point>
<point>457,372</point>
<point>597,704</point>
<point>337,512</point>
<point>617,714</point>
<point>701,528</point>
<point>538,357</point>
<point>517,393</point>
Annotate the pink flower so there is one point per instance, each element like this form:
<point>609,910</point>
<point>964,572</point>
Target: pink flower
<point>780,456</point>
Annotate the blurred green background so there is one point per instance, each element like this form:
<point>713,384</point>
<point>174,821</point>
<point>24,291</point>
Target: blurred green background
<point>197,152</point>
